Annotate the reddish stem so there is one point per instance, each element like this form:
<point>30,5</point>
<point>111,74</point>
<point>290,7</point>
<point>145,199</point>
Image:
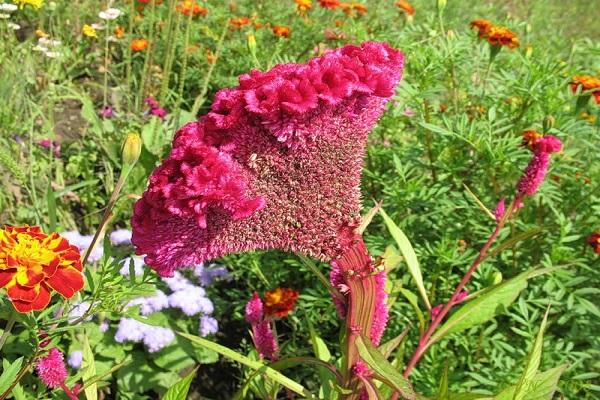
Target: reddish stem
<point>68,392</point>
<point>424,343</point>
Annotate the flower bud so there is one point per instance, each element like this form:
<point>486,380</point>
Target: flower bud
<point>251,42</point>
<point>441,4</point>
<point>132,147</point>
<point>497,278</point>
<point>548,123</point>
<point>528,51</point>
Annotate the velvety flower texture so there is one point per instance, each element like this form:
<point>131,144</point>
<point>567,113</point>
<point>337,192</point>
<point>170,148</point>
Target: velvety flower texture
<point>51,369</point>
<point>538,166</point>
<point>275,164</point>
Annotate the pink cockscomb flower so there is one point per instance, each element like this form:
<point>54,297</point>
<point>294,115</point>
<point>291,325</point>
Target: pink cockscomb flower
<point>51,369</point>
<point>538,166</point>
<point>275,164</point>
<point>263,337</point>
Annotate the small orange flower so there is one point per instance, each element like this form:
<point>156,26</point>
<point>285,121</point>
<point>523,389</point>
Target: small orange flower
<point>239,22</point>
<point>33,263</point>
<point>361,9</point>
<point>501,36</point>
<point>594,241</point>
<point>190,7</point>
<point>280,302</point>
<point>587,83</point>
<point>282,31</point>
<point>119,32</point>
<point>530,138</point>
<point>350,8</point>
<point>302,6</point>
<point>139,44</point>
<point>211,57</point>
<point>406,7</point>
<point>483,26</point>
<point>330,4</point>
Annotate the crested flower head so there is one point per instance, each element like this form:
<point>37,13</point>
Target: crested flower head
<point>536,170</point>
<point>33,263</point>
<point>275,164</point>
<point>51,368</point>
<point>280,302</point>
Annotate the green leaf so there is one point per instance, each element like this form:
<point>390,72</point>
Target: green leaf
<point>485,306</point>
<point>9,373</point>
<point>443,393</point>
<point>180,390</point>
<point>408,253</point>
<point>88,368</point>
<point>383,369</point>
<point>543,386</point>
<point>412,299</point>
<point>368,217</point>
<point>532,364</point>
<point>256,365</point>
<point>388,347</point>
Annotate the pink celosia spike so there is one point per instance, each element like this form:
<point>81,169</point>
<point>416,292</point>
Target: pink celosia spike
<point>254,309</point>
<point>534,173</point>
<point>51,369</point>
<point>275,164</point>
<point>265,340</point>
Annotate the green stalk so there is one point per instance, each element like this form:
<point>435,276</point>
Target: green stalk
<point>170,51</point>
<point>183,71</point>
<point>149,57</point>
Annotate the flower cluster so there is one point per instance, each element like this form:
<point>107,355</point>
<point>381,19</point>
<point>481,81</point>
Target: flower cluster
<point>495,35</point>
<point>530,138</point>
<point>302,6</point>
<point>190,7</point>
<point>275,164</point>
<point>51,369</point>
<point>155,108</point>
<point>154,337</point>
<point>139,44</point>
<point>282,31</point>
<point>588,84</point>
<point>33,263</point>
<point>538,166</point>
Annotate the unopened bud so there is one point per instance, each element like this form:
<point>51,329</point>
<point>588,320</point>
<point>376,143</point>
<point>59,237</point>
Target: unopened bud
<point>528,28</point>
<point>441,4</point>
<point>497,277</point>
<point>251,42</point>
<point>548,123</point>
<point>132,147</point>
<point>528,51</point>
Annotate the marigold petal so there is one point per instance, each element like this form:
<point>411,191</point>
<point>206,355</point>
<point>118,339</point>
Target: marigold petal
<point>6,275</point>
<point>66,281</point>
<point>17,291</point>
<point>39,302</point>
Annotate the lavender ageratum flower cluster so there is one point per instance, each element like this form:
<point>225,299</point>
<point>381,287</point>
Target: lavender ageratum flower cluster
<point>151,304</point>
<point>75,359</point>
<point>154,337</point>
<point>121,237</point>
<point>206,275</point>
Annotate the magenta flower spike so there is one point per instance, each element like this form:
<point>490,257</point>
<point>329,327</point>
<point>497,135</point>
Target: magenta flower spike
<point>51,369</point>
<point>275,164</point>
<point>535,172</point>
<point>263,336</point>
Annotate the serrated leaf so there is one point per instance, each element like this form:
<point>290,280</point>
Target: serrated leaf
<point>9,373</point>
<point>180,390</point>
<point>383,369</point>
<point>485,306</point>
<point>88,368</point>
<point>532,364</point>
<point>409,255</point>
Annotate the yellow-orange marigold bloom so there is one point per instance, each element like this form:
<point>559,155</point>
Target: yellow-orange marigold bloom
<point>530,138</point>
<point>139,44</point>
<point>119,32</point>
<point>361,9</point>
<point>239,22</point>
<point>282,31</point>
<point>89,31</point>
<point>211,57</point>
<point>303,5</point>
<point>587,83</point>
<point>280,302</point>
<point>483,26</point>
<point>33,263</point>
<point>406,7</point>
<point>501,36</point>
<point>190,7</point>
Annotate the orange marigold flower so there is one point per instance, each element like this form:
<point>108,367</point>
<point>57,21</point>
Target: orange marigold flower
<point>190,7</point>
<point>211,57</point>
<point>501,36</point>
<point>406,7</point>
<point>239,22</point>
<point>280,302</point>
<point>33,263</point>
<point>139,44</point>
<point>587,83</point>
<point>119,32</point>
<point>282,31</point>
<point>594,241</point>
<point>483,26</point>
<point>361,9</point>
<point>303,5</point>
<point>349,8</point>
<point>530,138</point>
<point>330,4</point>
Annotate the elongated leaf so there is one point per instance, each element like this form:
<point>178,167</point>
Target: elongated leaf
<point>532,364</point>
<point>256,365</point>
<point>412,299</point>
<point>383,369</point>
<point>368,217</point>
<point>443,393</point>
<point>408,253</point>
<point>180,390</point>
<point>479,203</point>
<point>542,386</point>
<point>9,373</point>
<point>88,369</point>
<point>388,347</point>
<point>485,306</point>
